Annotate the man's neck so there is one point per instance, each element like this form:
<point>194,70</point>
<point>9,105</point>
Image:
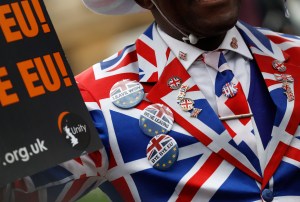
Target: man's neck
<point>210,43</point>
<point>207,44</point>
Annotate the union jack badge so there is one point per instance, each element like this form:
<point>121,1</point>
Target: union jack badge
<point>279,66</point>
<point>162,152</point>
<point>174,83</point>
<point>290,96</point>
<point>182,92</point>
<point>156,119</point>
<point>286,86</point>
<point>182,55</point>
<point>126,93</point>
<point>195,112</point>
<point>288,91</point>
<point>229,89</point>
<point>186,104</point>
<point>284,78</point>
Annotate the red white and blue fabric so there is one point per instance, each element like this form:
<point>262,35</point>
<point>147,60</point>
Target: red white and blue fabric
<point>209,167</point>
<point>241,130</point>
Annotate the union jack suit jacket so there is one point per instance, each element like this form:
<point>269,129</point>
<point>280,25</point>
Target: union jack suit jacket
<point>210,166</point>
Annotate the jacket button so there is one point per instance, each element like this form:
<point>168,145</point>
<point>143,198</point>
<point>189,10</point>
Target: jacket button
<point>267,195</point>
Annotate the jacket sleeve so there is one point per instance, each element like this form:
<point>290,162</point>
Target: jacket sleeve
<point>67,181</point>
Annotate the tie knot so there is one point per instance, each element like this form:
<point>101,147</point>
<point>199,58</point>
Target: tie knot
<point>216,60</point>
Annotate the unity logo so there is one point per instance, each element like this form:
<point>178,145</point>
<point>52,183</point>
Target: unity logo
<point>75,130</point>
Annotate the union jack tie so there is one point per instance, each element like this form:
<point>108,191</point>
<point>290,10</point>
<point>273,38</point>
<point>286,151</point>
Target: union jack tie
<point>233,108</point>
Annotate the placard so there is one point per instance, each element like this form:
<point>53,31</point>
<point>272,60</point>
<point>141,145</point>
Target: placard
<point>43,118</point>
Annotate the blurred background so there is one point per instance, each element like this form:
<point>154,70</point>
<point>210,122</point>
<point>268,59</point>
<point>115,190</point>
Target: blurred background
<point>88,38</point>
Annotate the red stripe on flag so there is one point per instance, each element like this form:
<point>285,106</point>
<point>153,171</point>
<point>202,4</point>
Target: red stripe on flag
<point>202,175</point>
<point>122,188</point>
<point>78,160</point>
<point>293,153</point>
<point>271,82</point>
<point>146,52</point>
<point>77,184</point>
<point>129,58</point>
<point>277,39</point>
<point>194,88</point>
<point>231,132</point>
<point>97,158</point>
<point>112,161</point>
<point>153,77</point>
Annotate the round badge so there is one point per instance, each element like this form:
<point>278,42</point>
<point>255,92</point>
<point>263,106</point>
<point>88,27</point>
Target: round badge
<point>174,83</point>
<point>229,90</point>
<point>279,66</point>
<point>127,94</point>
<point>156,119</point>
<point>162,152</point>
<point>186,104</point>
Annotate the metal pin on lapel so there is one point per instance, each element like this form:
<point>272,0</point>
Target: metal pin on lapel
<point>226,118</point>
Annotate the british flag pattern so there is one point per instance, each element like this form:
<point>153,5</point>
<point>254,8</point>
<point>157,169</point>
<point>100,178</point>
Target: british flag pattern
<point>209,167</point>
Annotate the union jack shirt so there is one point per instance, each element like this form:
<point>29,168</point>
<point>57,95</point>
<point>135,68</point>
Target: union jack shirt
<point>210,166</point>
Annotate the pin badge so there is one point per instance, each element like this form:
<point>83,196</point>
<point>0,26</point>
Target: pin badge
<point>174,83</point>
<point>288,91</point>
<point>186,104</point>
<point>126,94</point>
<point>182,92</point>
<point>229,89</point>
<point>162,152</point>
<point>182,55</point>
<point>284,78</point>
<point>290,96</point>
<point>279,66</point>
<point>156,119</point>
<point>195,112</point>
<point>234,43</point>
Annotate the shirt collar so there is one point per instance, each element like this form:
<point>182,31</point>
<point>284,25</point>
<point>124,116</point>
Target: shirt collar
<point>192,52</point>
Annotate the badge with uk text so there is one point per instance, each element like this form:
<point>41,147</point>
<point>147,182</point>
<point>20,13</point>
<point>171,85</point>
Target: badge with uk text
<point>162,152</point>
<point>156,119</point>
<point>127,94</point>
<point>229,90</point>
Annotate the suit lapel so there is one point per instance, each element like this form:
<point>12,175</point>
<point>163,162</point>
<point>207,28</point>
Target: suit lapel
<point>287,113</point>
<point>207,128</point>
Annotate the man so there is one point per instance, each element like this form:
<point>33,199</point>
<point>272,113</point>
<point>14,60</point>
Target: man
<point>201,108</point>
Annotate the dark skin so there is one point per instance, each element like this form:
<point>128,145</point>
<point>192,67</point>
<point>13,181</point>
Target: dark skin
<point>207,19</point>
